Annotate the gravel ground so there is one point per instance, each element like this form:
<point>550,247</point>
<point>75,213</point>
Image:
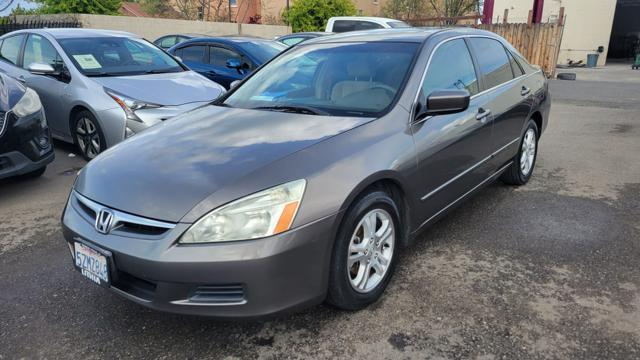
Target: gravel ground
<point>549,270</point>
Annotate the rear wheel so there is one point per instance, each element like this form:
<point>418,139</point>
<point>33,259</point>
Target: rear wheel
<point>520,171</point>
<point>88,135</point>
<point>365,252</point>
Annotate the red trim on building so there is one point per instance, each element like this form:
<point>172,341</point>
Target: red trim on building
<point>487,12</point>
<point>538,5</point>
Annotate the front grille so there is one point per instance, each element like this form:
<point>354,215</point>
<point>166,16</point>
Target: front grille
<point>123,223</point>
<point>3,122</point>
<point>231,294</point>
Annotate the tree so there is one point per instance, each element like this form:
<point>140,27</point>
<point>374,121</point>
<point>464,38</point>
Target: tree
<point>200,9</point>
<point>405,9</point>
<point>103,7</point>
<point>312,15</point>
<point>156,7</point>
<point>454,8</point>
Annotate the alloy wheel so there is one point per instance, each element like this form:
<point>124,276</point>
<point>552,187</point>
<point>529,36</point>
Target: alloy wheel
<point>88,137</point>
<point>370,250</point>
<point>528,152</point>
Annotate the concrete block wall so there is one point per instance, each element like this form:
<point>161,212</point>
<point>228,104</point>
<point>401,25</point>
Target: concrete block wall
<point>152,28</point>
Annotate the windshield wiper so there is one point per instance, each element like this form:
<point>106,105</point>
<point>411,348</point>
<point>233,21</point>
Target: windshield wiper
<point>162,71</point>
<point>299,109</point>
<point>102,74</point>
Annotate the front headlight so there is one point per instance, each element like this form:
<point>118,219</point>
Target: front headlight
<point>130,105</point>
<point>262,214</point>
<point>28,104</point>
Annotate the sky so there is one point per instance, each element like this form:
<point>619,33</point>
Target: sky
<point>6,6</point>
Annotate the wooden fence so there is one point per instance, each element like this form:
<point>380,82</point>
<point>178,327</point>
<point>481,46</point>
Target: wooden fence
<point>538,43</point>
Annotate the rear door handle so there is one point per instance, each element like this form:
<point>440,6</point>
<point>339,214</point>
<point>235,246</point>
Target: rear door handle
<point>482,114</point>
<point>525,91</point>
<point>21,79</point>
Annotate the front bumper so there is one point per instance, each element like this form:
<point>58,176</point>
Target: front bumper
<point>243,279</point>
<point>14,163</point>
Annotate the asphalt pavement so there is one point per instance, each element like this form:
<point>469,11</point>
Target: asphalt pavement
<point>548,270</point>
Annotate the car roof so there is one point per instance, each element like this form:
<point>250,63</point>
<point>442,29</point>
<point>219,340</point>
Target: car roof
<point>66,33</point>
<point>226,39</point>
<point>364,18</point>
<point>415,35</point>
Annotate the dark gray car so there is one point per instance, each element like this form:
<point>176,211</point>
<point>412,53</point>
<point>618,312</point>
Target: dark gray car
<point>301,184</point>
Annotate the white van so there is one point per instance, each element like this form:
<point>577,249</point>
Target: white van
<point>339,24</point>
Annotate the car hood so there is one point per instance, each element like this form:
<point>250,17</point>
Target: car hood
<point>164,89</point>
<point>165,171</point>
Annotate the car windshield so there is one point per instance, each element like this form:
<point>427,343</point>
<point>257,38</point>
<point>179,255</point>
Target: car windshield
<point>262,50</point>
<point>398,24</point>
<point>344,79</point>
<point>114,56</point>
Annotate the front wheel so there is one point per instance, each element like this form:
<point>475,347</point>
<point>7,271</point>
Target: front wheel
<point>365,252</point>
<point>88,135</point>
<point>520,171</point>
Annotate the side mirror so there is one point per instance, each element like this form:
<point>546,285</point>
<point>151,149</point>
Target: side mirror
<point>442,102</point>
<point>234,64</point>
<point>234,84</point>
<point>41,69</point>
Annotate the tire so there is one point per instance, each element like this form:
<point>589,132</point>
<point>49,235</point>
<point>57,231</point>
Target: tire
<point>344,291</point>
<point>566,76</point>
<point>35,174</point>
<point>522,167</point>
<point>86,131</point>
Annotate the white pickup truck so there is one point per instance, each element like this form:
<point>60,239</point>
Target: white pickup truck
<point>341,24</point>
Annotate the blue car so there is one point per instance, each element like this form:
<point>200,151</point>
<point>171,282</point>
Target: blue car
<point>226,59</point>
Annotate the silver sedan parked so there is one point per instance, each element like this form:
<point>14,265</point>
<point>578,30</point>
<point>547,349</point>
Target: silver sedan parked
<point>99,87</point>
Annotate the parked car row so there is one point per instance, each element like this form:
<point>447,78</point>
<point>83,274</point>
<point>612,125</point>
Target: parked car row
<point>300,184</point>
<point>100,87</point>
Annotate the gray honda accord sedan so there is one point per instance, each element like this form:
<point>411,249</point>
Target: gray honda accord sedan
<point>302,183</point>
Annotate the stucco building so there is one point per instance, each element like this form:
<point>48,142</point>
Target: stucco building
<point>588,23</point>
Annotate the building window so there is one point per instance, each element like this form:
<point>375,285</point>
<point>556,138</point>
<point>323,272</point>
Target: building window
<point>360,12</point>
<point>233,3</point>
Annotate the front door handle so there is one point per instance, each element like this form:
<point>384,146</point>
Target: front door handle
<point>525,91</point>
<point>21,79</point>
<point>482,114</point>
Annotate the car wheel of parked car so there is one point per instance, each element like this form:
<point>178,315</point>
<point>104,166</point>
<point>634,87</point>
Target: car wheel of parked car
<point>523,164</point>
<point>35,174</point>
<point>364,254</point>
<point>88,135</point>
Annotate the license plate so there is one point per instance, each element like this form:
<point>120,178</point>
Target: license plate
<point>91,263</point>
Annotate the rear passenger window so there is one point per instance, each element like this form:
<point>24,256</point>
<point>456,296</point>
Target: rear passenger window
<point>344,26</point>
<point>367,25</point>
<point>11,48</point>
<point>451,68</point>
<point>493,61</point>
<point>193,53</point>
<point>168,42</point>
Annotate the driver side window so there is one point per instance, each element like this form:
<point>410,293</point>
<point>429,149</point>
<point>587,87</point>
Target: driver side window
<point>40,50</point>
<point>218,56</point>
<point>451,68</point>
